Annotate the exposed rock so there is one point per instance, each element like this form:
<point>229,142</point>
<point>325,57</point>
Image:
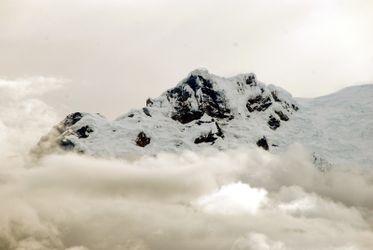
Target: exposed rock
<point>251,80</point>
<point>262,142</point>
<point>183,110</point>
<point>146,112</point>
<point>180,94</point>
<point>199,122</point>
<point>213,102</point>
<point>84,131</point>
<point>71,119</point>
<point>149,102</point>
<point>220,132</point>
<point>197,89</point>
<point>275,97</point>
<point>294,107</point>
<point>66,144</point>
<point>258,103</point>
<point>210,137</point>
<point>185,115</point>
<point>282,116</point>
<point>273,122</point>
<point>142,140</point>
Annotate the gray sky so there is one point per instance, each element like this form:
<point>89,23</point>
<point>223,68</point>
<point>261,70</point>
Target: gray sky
<point>116,53</point>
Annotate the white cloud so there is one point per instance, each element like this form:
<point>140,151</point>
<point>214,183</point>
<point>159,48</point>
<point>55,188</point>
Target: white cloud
<point>233,198</point>
<point>75,201</point>
<point>23,116</point>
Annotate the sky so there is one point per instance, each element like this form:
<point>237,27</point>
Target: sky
<point>110,55</point>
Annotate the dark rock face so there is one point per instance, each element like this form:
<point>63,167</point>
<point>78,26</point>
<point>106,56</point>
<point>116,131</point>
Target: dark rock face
<point>220,132</point>
<point>72,119</point>
<point>275,97</point>
<point>56,137</point>
<point>185,115</point>
<point>66,144</point>
<point>84,131</point>
<point>273,122</point>
<point>262,142</point>
<point>210,137</point>
<point>146,112</point>
<point>184,112</point>
<point>149,102</point>
<point>213,102</point>
<point>282,116</point>
<point>201,90</point>
<point>294,107</point>
<point>199,122</point>
<point>251,80</point>
<point>142,140</point>
<point>258,103</point>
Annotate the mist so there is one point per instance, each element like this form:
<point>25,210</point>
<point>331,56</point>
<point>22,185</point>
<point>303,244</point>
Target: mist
<point>238,199</point>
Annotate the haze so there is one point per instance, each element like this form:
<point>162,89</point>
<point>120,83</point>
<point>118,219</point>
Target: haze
<point>113,54</point>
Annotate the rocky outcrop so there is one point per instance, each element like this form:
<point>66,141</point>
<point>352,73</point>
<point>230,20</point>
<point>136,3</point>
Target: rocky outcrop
<point>283,117</point>
<point>209,138</point>
<point>258,103</point>
<point>273,122</point>
<point>195,97</point>
<point>262,143</point>
<point>142,139</point>
<point>72,119</point>
<point>84,131</point>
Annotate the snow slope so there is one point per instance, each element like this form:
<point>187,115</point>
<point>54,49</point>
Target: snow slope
<point>207,111</point>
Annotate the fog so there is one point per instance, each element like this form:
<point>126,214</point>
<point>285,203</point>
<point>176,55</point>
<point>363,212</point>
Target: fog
<point>239,199</point>
<point>234,200</point>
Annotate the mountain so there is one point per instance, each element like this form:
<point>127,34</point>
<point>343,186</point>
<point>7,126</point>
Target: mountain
<point>205,110</point>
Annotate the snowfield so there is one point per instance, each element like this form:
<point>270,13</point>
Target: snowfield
<point>205,111</point>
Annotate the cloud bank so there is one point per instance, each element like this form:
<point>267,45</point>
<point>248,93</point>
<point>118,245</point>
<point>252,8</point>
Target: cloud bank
<point>241,199</point>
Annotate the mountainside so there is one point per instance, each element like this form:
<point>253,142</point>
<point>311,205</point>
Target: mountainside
<point>205,110</point>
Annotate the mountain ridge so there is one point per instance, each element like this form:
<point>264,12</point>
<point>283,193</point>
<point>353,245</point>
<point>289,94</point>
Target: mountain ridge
<point>204,110</point>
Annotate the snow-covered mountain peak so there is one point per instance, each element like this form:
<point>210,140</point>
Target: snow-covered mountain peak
<point>222,98</point>
<point>205,110</point>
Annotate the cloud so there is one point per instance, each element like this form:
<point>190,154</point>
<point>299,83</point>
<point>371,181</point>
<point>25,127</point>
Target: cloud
<point>233,198</point>
<point>24,117</point>
<point>182,201</point>
<point>255,241</point>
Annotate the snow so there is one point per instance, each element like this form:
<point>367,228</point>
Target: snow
<point>337,128</point>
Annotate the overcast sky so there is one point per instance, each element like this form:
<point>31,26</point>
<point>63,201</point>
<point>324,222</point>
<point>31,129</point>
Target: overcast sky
<point>115,53</point>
